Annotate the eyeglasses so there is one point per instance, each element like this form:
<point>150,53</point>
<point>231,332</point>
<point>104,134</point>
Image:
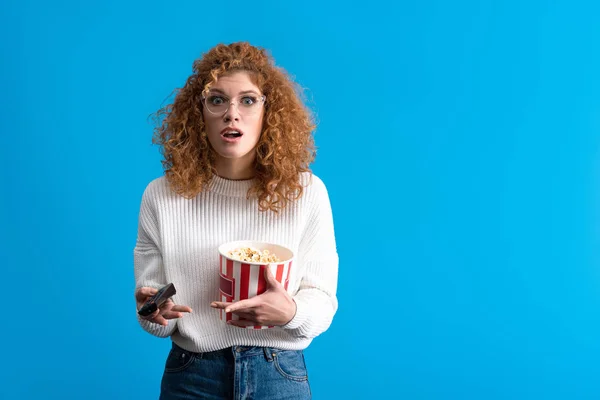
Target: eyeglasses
<point>219,104</point>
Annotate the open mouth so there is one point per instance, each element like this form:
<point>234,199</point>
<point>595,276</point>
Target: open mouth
<point>231,133</point>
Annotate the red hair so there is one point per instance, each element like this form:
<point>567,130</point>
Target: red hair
<point>285,148</point>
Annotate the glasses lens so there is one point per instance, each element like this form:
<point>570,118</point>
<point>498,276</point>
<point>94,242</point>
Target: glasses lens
<point>249,104</point>
<point>216,103</point>
<point>246,105</point>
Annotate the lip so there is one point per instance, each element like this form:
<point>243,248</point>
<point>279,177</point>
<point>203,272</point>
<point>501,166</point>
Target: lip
<point>231,140</point>
<point>231,128</point>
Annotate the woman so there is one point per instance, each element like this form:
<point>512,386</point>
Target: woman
<point>237,144</point>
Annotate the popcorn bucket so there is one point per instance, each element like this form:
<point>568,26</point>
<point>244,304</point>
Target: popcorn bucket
<point>240,280</point>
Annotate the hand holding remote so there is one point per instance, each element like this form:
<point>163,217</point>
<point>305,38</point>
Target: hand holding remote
<point>165,310</point>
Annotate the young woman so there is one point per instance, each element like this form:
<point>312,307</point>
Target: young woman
<point>237,145</point>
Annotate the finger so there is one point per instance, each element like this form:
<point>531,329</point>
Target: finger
<point>244,305</point>
<point>145,292</point>
<point>242,314</point>
<point>177,308</point>
<point>270,278</point>
<point>246,316</point>
<point>172,315</point>
<point>165,308</point>
<point>242,323</point>
<point>220,304</point>
<point>159,319</point>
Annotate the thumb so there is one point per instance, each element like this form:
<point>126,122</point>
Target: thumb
<point>270,278</point>
<point>144,292</point>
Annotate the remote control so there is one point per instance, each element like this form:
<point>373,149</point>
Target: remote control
<point>157,300</point>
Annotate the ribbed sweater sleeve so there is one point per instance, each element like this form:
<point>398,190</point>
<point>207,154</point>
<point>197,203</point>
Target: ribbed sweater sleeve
<point>147,259</point>
<point>316,299</point>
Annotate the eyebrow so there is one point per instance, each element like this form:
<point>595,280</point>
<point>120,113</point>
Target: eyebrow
<point>242,92</point>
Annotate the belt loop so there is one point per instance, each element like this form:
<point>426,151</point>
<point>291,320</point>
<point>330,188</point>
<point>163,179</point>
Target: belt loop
<point>268,355</point>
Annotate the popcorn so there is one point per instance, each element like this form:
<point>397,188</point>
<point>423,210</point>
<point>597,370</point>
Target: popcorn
<point>250,254</point>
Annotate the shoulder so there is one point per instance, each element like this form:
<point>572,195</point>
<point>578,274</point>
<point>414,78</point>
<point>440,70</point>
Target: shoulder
<point>315,190</point>
<point>157,188</point>
<point>157,183</point>
<point>311,182</point>
<point>316,202</point>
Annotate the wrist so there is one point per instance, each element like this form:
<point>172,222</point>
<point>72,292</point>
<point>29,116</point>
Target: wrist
<point>292,311</point>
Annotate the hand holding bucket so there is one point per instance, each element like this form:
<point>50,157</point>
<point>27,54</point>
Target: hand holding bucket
<point>253,294</point>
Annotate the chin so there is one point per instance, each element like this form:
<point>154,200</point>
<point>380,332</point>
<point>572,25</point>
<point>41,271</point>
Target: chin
<point>232,155</point>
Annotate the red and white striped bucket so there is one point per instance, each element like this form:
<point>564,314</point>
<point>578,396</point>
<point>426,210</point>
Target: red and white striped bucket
<point>242,280</point>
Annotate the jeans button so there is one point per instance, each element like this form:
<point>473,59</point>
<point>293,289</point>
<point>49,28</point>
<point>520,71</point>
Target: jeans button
<point>239,349</point>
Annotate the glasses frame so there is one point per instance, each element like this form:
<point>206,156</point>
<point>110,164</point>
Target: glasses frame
<point>261,98</point>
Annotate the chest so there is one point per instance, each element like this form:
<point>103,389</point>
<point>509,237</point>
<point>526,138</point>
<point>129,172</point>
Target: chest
<point>192,230</point>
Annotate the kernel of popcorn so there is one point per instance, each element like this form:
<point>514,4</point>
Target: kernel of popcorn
<point>250,254</point>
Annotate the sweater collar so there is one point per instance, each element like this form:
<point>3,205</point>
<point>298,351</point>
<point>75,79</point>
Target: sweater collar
<point>228,187</point>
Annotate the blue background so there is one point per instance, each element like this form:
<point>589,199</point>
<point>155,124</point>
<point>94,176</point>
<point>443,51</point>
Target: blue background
<point>461,139</point>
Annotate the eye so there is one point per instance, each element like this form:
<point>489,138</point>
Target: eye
<point>248,100</point>
<point>216,100</point>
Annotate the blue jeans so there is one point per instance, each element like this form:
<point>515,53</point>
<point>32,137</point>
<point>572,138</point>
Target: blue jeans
<point>235,373</point>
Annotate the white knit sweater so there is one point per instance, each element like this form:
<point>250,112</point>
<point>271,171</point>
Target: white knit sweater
<point>178,240</point>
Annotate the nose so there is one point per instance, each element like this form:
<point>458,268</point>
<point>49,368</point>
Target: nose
<point>232,113</point>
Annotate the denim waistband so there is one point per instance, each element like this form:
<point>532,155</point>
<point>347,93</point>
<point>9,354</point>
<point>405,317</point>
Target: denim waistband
<point>235,351</point>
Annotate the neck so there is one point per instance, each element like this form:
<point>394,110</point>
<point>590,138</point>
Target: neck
<point>235,169</point>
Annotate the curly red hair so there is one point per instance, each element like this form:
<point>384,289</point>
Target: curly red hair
<point>285,148</point>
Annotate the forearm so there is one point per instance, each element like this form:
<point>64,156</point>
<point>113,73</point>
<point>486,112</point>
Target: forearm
<point>316,301</point>
<point>149,273</point>
<point>314,313</point>
<point>157,329</point>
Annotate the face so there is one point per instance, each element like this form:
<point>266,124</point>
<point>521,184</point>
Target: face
<point>235,123</point>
